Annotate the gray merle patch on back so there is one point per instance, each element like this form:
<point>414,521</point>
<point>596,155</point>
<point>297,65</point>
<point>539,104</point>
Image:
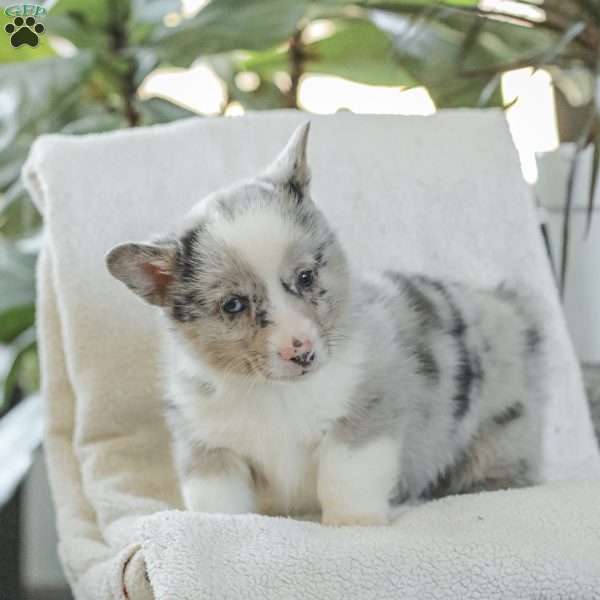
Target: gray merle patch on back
<point>533,339</point>
<point>469,372</point>
<point>418,300</point>
<point>426,363</point>
<point>533,335</point>
<point>457,324</point>
<point>511,413</point>
<point>507,293</point>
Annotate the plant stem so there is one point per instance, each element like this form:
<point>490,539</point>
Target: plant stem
<point>585,137</point>
<point>129,89</point>
<point>119,42</point>
<point>553,21</point>
<point>296,58</point>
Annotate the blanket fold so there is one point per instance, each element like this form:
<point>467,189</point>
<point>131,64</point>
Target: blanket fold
<point>441,195</point>
<point>537,543</point>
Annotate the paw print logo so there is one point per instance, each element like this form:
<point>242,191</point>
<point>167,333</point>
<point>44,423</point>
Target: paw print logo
<point>24,31</point>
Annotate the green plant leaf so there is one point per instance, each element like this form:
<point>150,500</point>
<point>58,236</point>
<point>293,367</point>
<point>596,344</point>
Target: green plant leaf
<point>267,96</point>
<point>265,63</point>
<point>81,33</point>
<point>224,25</point>
<point>438,39</point>
<point>37,94</point>
<point>104,25</point>
<point>148,16</point>
<point>575,82</point>
<point>593,182</point>
<point>146,60</point>
<point>153,11</point>
<point>17,277</point>
<point>401,5</point>
<point>458,55</point>
<point>91,24</point>
<point>159,110</point>
<point>396,5</point>
<point>23,375</point>
<point>11,161</point>
<point>14,321</point>
<point>98,13</point>
<point>356,50</point>
<point>39,97</point>
<point>95,121</point>
<point>18,216</point>
<point>592,7</point>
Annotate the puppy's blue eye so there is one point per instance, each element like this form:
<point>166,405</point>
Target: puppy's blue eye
<point>305,280</point>
<point>234,305</point>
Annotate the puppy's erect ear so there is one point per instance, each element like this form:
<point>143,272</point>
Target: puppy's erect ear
<point>146,269</point>
<point>290,168</point>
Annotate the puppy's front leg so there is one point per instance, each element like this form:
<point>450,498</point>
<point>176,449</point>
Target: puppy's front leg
<point>356,480</point>
<point>216,480</point>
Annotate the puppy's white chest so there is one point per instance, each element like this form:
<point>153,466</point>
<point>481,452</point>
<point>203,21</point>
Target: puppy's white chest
<point>283,451</point>
<point>277,430</point>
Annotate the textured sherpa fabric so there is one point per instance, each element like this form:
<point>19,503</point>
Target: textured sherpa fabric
<point>540,543</point>
<point>441,195</point>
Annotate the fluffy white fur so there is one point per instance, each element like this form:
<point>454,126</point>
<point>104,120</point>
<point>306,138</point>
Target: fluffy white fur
<point>416,388</point>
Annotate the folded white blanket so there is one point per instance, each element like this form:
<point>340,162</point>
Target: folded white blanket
<point>540,543</point>
<point>441,195</point>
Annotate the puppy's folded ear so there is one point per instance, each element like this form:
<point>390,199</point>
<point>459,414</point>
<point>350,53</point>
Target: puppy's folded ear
<point>146,269</point>
<point>290,168</point>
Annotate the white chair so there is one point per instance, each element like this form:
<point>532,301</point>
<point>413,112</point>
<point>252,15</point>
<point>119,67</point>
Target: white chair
<point>442,195</point>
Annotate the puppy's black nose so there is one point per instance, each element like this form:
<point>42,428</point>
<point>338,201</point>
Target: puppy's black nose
<point>304,359</point>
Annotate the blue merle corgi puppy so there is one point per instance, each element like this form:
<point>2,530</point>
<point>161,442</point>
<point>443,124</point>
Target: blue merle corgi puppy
<point>295,386</point>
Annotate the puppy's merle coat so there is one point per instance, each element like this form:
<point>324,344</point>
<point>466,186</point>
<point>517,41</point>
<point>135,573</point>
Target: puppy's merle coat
<point>293,386</point>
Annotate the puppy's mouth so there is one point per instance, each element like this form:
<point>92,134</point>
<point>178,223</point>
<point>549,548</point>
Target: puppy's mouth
<point>299,370</point>
<point>305,360</point>
<point>289,378</point>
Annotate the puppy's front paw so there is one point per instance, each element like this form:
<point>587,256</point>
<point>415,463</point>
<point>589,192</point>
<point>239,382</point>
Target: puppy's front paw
<point>218,495</point>
<point>354,519</point>
<point>355,481</point>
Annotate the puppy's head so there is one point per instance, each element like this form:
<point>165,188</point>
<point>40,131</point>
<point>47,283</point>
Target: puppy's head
<point>257,283</point>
